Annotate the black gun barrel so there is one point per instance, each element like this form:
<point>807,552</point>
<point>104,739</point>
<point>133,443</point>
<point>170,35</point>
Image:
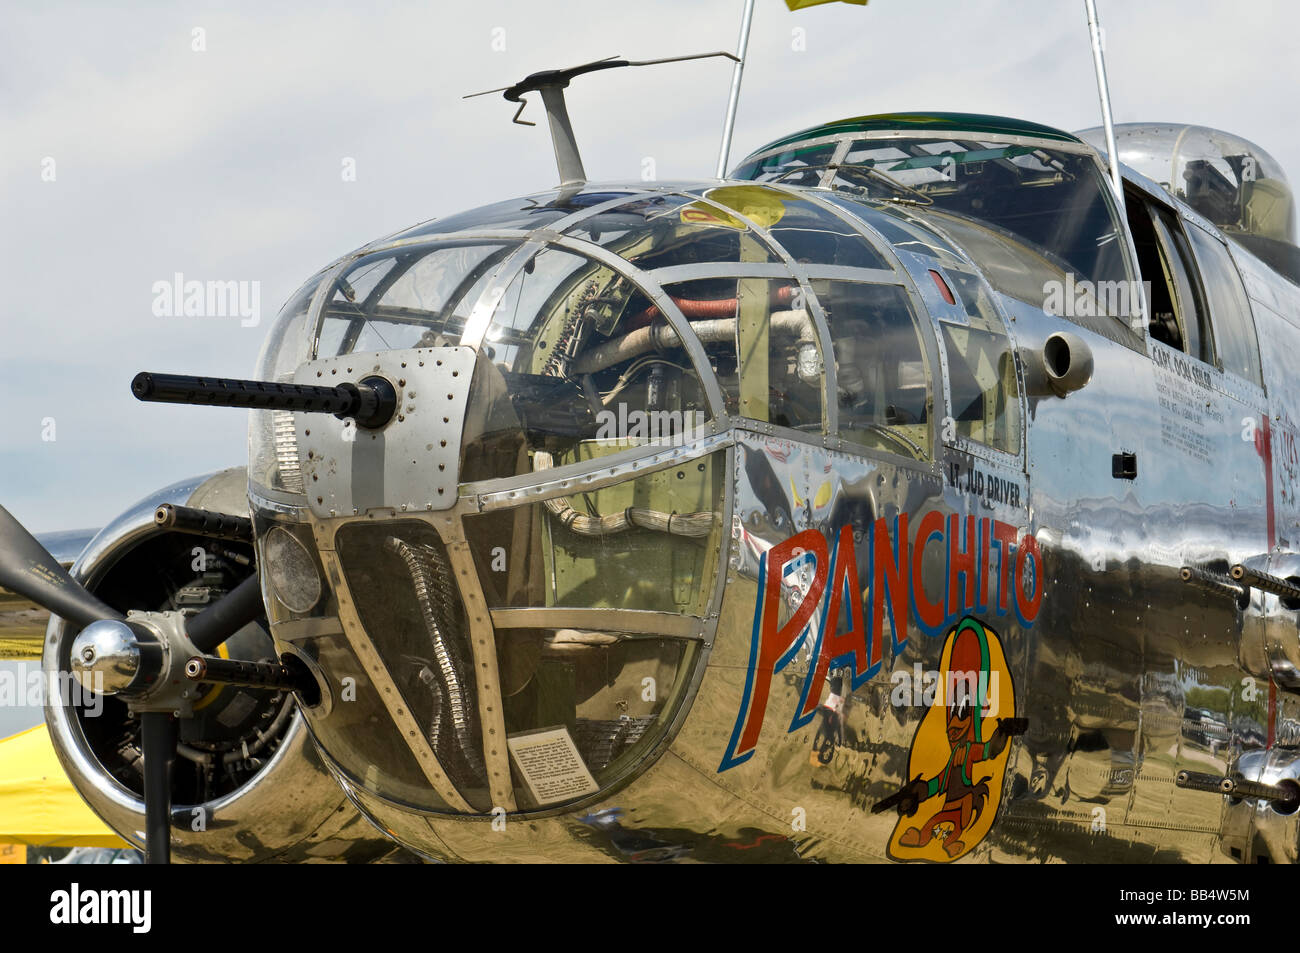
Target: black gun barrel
<point>1286,588</point>
<point>371,402</point>
<point>187,519</point>
<point>269,675</point>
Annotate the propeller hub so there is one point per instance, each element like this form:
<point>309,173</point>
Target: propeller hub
<point>106,657</point>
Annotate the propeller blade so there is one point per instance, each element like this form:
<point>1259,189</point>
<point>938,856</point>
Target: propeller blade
<point>28,569</point>
<point>159,733</point>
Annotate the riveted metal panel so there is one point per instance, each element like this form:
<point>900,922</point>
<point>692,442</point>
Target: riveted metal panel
<point>412,463</point>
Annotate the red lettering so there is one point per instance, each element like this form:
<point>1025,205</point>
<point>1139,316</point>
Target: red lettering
<point>961,562</point>
<point>1005,534</point>
<point>984,564</point>
<point>892,569</point>
<point>774,640</point>
<point>844,572</point>
<point>930,613</point>
<point>1029,607</point>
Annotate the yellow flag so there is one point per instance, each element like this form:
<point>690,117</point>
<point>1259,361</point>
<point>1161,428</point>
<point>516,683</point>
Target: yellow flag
<point>800,4</point>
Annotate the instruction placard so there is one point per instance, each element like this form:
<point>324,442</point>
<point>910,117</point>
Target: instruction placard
<point>550,765</point>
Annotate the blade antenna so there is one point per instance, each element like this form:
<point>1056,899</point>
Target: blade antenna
<point>551,84</point>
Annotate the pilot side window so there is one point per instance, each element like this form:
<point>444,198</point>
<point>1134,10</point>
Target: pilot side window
<point>1234,327</point>
<point>884,380</point>
<point>981,369</point>
<point>1177,312</point>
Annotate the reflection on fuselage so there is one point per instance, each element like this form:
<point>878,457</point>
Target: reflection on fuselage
<point>715,628</point>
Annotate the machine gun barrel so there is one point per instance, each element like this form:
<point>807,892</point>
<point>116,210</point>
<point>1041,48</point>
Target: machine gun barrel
<point>1210,582</point>
<point>1286,794</point>
<point>1265,581</point>
<point>371,402</point>
<point>187,519</point>
<point>269,675</point>
<point>1270,792</point>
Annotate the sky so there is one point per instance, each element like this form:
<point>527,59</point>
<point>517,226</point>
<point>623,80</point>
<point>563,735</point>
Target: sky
<point>215,141</point>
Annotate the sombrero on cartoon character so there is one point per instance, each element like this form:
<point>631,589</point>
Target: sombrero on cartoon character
<point>950,757</point>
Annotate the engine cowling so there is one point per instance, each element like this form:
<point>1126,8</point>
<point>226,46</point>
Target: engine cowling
<point>248,785</point>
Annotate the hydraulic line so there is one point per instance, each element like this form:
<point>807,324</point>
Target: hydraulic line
<point>663,337</point>
<point>709,307</point>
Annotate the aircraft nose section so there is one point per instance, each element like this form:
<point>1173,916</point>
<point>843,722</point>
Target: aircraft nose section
<point>409,464</point>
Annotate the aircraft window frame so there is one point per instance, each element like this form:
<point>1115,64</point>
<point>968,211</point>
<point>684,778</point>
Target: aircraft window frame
<point>503,346</point>
<point>610,227</point>
<point>529,244</point>
<point>891,439</point>
<point>899,274</point>
<point>1022,146</point>
<point>525,247</point>
<point>371,312</point>
<point>772,294</point>
<point>984,317</point>
<point>1235,315</point>
<point>483,311</point>
<point>1179,263</point>
<point>864,216</point>
<point>799,274</point>
<point>1128,333</point>
<point>941,253</point>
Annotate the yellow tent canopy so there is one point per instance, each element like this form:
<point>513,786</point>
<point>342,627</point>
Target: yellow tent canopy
<point>38,804</point>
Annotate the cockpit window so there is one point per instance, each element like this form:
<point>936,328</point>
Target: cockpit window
<point>884,379</point>
<point>981,370</point>
<point>664,230</point>
<point>414,296</point>
<point>798,165</point>
<point>1052,200</point>
<point>1234,327</point>
<point>1178,316</point>
<point>900,232</point>
<point>576,362</point>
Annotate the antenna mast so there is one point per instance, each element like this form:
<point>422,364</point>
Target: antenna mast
<point>1103,91</point>
<point>733,100</point>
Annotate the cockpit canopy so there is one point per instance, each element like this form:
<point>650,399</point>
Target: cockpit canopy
<point>599,311</point>
<point>1038,186</point>
<point>1232,182</point>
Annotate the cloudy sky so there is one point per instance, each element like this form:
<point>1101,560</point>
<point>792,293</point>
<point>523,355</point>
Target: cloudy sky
<point>226,163</point>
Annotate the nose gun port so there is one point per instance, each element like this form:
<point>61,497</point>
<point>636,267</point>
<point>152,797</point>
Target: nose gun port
<point>371,402</point>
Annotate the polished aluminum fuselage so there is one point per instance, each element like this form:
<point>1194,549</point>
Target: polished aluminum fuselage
<point>1126,674</point>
